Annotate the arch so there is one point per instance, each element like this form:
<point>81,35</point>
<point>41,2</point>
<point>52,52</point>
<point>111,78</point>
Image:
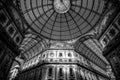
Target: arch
<point>32,44</point>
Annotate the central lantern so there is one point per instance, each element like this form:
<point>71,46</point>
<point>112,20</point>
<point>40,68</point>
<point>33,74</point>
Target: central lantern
<point>62,6</point>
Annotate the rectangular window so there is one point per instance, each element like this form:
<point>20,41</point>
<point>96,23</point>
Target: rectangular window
<point>50,72</point>
<point>60,72</point>
<point>60,54</point>
<point>72,74</point>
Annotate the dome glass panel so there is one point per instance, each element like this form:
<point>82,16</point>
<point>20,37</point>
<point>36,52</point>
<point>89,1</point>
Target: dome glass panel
<point>61,19</point>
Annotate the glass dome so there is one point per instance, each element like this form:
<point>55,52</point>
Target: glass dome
<point>61,20</point>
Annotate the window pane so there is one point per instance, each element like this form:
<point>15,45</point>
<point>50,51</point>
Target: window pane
<point>50,73</point>
<point>60,54</point>
<point>69,55</point>
<point>60,72</point>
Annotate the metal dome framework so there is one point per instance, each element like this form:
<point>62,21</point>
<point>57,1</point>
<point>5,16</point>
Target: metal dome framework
<point>42,18</point>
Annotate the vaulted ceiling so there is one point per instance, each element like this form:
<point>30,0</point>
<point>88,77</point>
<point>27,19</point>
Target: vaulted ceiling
<point>46,22</point>
<point>56,20</point>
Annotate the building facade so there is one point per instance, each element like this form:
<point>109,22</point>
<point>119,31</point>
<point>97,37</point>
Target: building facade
<point>60,39</point>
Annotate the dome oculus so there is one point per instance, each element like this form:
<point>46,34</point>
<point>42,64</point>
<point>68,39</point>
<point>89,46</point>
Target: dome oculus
<point>61,6</point>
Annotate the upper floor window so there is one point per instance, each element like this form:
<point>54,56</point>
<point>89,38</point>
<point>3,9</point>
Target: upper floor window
<point>52,54</point>
<point>43,55</point>
<point>69,55</point>
<point>17,39</point>
<point>105,41</point>
<point>112,32</point>
<point>11,30</point>
<point>60,54</point>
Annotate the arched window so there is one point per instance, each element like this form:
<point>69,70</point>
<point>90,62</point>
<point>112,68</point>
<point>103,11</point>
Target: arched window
<point>51,54</point>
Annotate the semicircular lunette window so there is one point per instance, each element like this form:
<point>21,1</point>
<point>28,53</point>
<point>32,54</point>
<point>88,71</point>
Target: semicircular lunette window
<point>62,19</point>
